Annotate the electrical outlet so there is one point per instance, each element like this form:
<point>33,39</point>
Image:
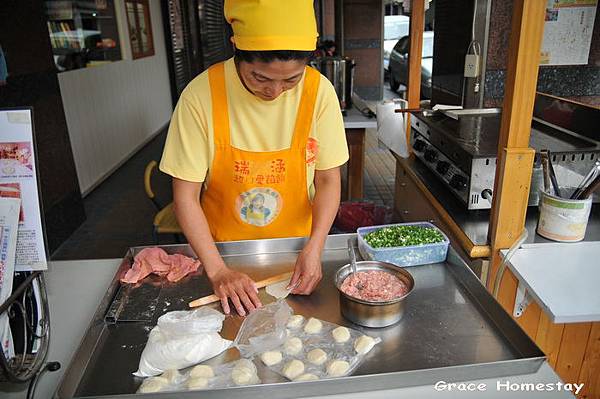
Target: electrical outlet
<point>471,66</point>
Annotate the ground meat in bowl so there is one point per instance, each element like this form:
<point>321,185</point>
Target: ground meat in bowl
<point>374,286</point>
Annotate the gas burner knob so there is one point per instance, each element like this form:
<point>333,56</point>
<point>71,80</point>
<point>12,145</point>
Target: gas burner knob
<point>419,145</point>
<point>431,155</point>
<point>442,167</point>
<point>458,182</point>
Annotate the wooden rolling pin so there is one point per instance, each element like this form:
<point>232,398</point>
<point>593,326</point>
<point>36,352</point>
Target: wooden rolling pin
<point>205,300</point>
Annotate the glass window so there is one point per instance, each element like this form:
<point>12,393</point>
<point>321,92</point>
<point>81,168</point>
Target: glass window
<point>427,45</point>
<point>82,33</point>
<point>402,46</point>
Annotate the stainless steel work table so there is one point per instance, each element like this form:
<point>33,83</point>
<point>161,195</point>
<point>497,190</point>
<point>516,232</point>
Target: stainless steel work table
<point>452,331</point>
<point>76,288</point>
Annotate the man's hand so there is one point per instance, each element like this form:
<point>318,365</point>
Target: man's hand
<point>307,272</point>
<point>237,287</point>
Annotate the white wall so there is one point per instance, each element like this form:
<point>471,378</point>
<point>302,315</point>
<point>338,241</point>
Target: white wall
<point>114,109</point>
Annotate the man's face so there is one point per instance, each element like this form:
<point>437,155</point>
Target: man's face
<point>267,80</point>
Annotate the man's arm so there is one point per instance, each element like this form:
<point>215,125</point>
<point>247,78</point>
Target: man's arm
<point>326,202</point>
<point>226,283</point>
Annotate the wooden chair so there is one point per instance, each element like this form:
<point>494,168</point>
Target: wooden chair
<point>165,221</point>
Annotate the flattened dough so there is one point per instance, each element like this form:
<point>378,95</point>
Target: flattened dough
<point>292,346</point>
<point>202,370</point>
<point>271,358</point>
<point>295,321</point>
<point>340,334</point>
<point>307,377</point>
<point>197,383</point>
<point>293,369</point>
<point>313,326</point>
<point>153,384</point>
<point>317,356</point>
<point>278,290</point>
<point>338,368</point>
<point>364,344</point>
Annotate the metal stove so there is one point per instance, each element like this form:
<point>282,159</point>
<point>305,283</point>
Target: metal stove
<point>461,151</point>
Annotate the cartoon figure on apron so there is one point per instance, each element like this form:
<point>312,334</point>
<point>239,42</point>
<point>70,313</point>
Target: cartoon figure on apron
<point>256,213</point>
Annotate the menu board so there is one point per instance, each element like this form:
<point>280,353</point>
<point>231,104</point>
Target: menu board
<point>568,32</point>
<point>18,179</point>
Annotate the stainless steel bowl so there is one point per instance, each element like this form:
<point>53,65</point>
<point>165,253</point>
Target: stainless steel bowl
<point>368,313</point>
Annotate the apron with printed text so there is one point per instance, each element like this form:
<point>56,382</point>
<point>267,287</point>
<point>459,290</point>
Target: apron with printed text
<point>254,195</point>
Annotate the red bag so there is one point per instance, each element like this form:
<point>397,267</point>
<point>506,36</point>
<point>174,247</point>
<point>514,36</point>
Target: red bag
<point>352,215</point>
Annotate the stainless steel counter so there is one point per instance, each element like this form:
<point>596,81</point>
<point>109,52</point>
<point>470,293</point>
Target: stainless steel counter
<point>475,224</point>
<point>354,119</point>
<point>452,330</point>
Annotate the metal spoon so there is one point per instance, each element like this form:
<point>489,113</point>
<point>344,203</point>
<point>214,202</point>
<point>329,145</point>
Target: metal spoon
<point>352,254</point>
<point>353,261</point>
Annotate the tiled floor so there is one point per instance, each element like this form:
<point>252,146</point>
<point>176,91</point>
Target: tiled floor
<point>379,174</point>
<point>119,214</point>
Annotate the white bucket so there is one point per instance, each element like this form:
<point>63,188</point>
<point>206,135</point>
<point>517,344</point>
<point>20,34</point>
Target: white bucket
<point>563,219</point>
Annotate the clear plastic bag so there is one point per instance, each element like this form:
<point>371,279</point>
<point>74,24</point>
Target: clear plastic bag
<point>324,340</point>
<point>223,377</point>
<point>181,339</point>
<point>263,329</point>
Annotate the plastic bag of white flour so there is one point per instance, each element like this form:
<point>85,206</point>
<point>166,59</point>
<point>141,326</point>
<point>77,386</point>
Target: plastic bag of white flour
<point>182,339</point>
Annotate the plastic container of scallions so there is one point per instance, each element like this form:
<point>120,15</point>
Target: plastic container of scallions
<point>403,244</point>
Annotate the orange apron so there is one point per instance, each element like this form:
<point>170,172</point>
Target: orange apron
<point>253,195</point>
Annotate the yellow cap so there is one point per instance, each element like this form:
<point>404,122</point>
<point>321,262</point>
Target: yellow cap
<point>261,25</point>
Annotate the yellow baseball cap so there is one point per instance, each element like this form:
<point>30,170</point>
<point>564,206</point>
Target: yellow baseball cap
<point>261,25</point>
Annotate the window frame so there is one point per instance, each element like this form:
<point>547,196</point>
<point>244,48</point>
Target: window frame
<point>134,31</point>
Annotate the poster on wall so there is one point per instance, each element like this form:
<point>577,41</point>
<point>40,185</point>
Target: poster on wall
<point>18,179</point>
<point>568,32</point>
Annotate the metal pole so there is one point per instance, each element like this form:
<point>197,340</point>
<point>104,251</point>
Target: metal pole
<point>339,27</point>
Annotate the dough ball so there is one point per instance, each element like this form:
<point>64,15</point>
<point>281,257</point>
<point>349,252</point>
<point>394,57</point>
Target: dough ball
<point>202,370</point>
<point>197,383</point>
<point>288,332</point>
<point>245,364</point>
<point>307,377</point>
<point>295,321</point>
<point>153,384</point>
<point>364,344</point>
<point>243,376</point>
<point>271,358</point>
<point>313,326</point>
<point>341,334</point>
<point>244,372</point>
<point>293,369</point>
<point>317,356</point>
<point>338,368</point>
<point>172,376</point>
<point>292,346</point>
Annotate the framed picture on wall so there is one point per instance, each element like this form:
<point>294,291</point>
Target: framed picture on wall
<point>140,28</point>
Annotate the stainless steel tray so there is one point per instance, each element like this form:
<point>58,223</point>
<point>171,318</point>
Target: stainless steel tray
<point>452,329</point>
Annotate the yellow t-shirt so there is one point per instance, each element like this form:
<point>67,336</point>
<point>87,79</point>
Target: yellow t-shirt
<point>255,124</point>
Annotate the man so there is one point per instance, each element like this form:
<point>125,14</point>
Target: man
<point>264,135</point>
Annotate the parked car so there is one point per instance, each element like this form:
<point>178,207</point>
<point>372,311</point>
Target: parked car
<point>398,67</point>
<point>394,27</point>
